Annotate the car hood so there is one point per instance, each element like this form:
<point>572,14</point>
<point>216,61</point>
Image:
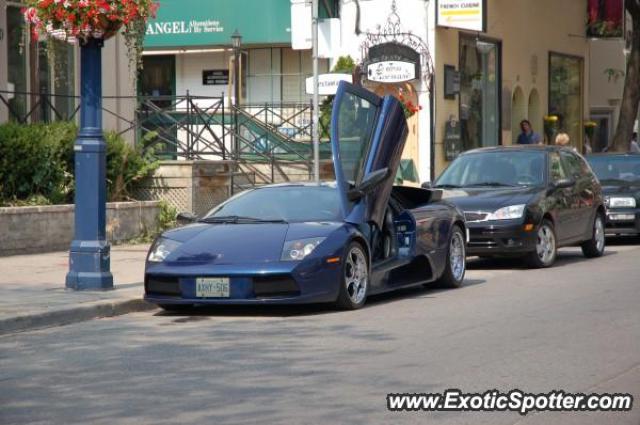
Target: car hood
<point>490,199</point>
<point>240,243</point>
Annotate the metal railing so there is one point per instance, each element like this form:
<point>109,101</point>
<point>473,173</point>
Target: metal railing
<point>265,141</point>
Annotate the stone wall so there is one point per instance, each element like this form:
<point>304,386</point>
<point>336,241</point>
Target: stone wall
<point>27,230</point>
<point>189,186</point>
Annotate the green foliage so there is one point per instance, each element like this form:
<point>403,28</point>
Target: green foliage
<point>37,164</point>
<point>166,217</point>
<point>344,65</point>
<point>33,162</point>
<point>126,166</point>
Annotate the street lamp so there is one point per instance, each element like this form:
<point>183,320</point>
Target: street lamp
<point>90,251</point>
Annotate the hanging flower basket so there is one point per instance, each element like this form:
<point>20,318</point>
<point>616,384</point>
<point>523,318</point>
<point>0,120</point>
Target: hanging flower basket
<point>410,109</point>
<point>85,20</point>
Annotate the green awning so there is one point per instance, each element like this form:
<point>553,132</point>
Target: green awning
<point>199,23</point>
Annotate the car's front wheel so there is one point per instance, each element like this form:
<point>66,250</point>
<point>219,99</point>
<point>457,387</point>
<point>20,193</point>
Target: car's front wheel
<point>546,247</point>
<point>595,246</point>
<point>456,267</point>
<point>355,278</point>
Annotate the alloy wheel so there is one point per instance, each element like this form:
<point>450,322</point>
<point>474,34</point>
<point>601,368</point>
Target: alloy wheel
<point>356,275</point>
<point>546,245</point>
<point>457,256</point>
<point>599,233</point>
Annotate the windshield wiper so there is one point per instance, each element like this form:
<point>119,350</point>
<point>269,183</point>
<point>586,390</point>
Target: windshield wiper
<point>234,219</point>
<point>447,186</point>
<point>491,184</point>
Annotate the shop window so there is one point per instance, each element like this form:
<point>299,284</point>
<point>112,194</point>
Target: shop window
<point>263,77</point>
<point>64,78</point>
<point>277,75</point>
<point>565,94</point>
<point>479,92</point>
<point>17,36</point>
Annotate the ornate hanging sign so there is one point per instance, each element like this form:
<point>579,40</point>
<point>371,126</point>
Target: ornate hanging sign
<point>392,55</point>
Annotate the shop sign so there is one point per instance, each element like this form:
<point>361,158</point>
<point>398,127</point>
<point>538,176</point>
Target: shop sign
<point>327,83</point>
<point>452,139</point>
<point>392,63</point>
<point>186,23</point>
<point>462,14</point>
<point>391,72</point>
<point>215,77</point>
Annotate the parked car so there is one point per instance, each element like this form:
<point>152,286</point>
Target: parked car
<point>331,242</point>
<point>527,201</point>
<point>619,175</point>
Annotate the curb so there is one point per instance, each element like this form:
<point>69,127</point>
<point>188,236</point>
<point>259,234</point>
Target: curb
<point>73,315</point>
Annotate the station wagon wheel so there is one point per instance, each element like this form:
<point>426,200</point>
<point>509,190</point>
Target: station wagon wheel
<point>355,278</point>
<point>595,246</point>
<point>546,247</point>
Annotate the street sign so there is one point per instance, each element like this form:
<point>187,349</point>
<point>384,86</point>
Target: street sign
<point>327,83</point>
<point>462,14</point>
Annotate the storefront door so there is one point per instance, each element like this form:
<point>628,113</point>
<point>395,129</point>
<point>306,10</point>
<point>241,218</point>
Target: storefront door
<point>479,92</point>
<point>565,94</point>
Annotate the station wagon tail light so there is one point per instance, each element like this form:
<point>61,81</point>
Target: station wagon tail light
<point>299,249</point>
<point>512,212</point>
<point>616,202</point>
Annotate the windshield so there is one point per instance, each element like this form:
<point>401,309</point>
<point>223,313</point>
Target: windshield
<point>495,169</point>
<point>287,203</point>
<point>624,169</point>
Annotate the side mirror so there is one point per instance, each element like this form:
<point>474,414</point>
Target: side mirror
<point>185,218</point>
<point>427,185</point>
<point>369,184</point>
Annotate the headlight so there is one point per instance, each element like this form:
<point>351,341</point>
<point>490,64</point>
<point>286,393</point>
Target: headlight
<point>300,249</point>
<point>621,202</point>
<point>161,249</point>
<point>508,213</point>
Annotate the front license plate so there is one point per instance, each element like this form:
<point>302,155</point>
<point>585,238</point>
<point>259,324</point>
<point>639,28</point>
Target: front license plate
<point>622,217</point>
<point>212,287</point>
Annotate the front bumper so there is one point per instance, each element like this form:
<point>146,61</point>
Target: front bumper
<point>495,238</point>
<point>623,221</point>
<point>270,283</point>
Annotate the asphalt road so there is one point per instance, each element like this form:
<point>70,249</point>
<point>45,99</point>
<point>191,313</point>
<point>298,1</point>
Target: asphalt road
<point>575,327</point>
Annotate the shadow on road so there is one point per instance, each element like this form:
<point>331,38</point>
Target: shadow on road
<point>203,312</point>
<point>623,240</point>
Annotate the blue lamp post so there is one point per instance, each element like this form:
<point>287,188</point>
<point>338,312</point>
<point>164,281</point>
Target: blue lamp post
<point>90,252</point>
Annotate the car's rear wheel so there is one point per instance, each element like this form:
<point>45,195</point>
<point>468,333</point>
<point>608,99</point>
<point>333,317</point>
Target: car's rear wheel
<point>546,247</point>
<point>595,246</point>
<point>355,278</point>
<point>176,308</point>
<point>453,276</point>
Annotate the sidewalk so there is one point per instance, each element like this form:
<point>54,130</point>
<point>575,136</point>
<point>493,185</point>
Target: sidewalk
<point>33,294</point>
